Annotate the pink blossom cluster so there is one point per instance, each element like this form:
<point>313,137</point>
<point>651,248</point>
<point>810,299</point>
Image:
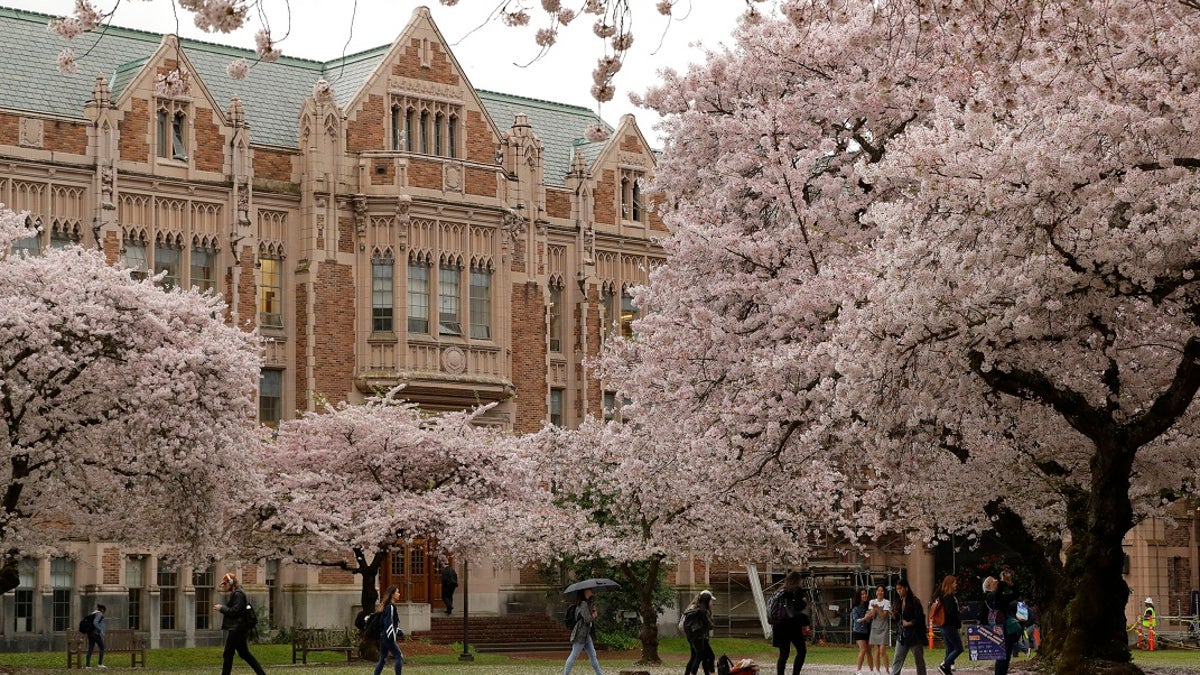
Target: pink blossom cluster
<point>66,61</point>
<point>175,83</point>
<point>128,410</point>
<point>264,46</point>
<point>85,18</point>
<point>237,69</point>
<point>223,16</point>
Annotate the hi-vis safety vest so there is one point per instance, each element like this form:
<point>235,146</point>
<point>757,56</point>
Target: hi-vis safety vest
<point>1149,619</point>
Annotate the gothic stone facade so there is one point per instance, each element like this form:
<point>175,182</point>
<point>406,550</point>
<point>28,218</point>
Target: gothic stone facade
<point>396,226</point>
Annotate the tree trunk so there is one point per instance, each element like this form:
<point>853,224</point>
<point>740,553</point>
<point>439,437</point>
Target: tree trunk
<point>1086,621</point>
<point>648,633</point>
<point>368,646</point>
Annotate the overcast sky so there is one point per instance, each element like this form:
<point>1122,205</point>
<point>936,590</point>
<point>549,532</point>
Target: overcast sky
<point>488,54</point>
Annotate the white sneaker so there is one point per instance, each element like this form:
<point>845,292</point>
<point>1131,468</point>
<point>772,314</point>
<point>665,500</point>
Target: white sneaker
<point>102,667</point>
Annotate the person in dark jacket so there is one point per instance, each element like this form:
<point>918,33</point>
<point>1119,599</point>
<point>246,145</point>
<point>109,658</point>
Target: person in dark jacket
<point>95,638</point>
<point>1000,601</point>
<point>581,632</point>
<point>234,622</point>
<point>792,630</point>
<point>449,583</point>
<point>912,629</point>
<point>951,623</point>
<point>389,630</point>
<point>699,614</point>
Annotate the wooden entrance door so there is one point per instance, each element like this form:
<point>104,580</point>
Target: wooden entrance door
<point>414,571</point>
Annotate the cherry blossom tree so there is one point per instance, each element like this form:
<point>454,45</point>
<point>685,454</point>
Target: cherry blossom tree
<point>125,410</point>
<point>361,478</point>
<point>644,499</point>
<point>936,262</point>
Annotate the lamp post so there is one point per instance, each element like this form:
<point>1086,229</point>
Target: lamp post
<point>466,653</point>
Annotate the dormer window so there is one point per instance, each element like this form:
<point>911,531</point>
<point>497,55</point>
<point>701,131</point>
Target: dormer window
<point>171,132</point>
<point>425,127</point>
<point>632,208</point>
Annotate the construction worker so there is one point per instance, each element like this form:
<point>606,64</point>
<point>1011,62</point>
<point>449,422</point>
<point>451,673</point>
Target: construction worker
<point>1147,625</point>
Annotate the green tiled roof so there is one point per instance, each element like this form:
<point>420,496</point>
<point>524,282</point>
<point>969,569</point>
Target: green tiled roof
<point>559,126</point>
<point>272,93</point>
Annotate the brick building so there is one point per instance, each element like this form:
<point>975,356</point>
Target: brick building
<point>380,221</point>
<point>376,218</point>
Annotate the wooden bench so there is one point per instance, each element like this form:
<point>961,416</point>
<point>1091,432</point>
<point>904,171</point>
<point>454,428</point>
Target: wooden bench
<point>305,640</point>
<point>116,641</point>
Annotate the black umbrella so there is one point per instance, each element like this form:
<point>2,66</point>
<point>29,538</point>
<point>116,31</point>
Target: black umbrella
<point>594,584</point>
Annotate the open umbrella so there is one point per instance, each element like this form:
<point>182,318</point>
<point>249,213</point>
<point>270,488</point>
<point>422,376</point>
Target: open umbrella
<point>594,584</point>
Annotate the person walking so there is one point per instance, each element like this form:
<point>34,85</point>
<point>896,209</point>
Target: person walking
<point>95,639</point>
<point>449,583</point>
<point>951,623</point>
<point>912,629</point>
<point>999,599</point>
<point>860,630</point>
<point>879,613</point>
<point>792,630</point>
<point>581,632</point>
<point>389,630</point>
<point>235,621</point>
<point>697,627</point>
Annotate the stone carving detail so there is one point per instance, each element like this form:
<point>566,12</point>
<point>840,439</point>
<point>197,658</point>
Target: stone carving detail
<point>454,360</point>
<point>107,178</point>
<point>426,90</point>
<point>360,213</point>
<point>452,178</point>
<point>32,132</point>
<point>633,159</point>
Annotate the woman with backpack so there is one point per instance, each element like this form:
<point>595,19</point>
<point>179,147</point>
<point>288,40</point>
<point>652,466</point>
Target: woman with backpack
<point>581,632</point>
<point>389,630</point>
<point>697,626</point>
<point>791,630</point>
<point>951,623</point>
<point>235,613</point>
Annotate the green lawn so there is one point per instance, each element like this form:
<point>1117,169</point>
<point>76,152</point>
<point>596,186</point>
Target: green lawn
<point>207,660</point>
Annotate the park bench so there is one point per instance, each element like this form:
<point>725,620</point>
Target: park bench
<point>305,640</point>
<point>116,641</point>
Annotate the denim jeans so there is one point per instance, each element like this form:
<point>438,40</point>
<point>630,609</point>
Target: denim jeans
<point>952,637</point>
<point>591,652</point>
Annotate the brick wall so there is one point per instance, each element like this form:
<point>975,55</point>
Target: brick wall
<point>558,204</point>
<point>9,129</point>
<point>110,565</point>
<point>248,289</point>
<point>333,346</point>
<point>273,164</point>
<point>364,132</point>
<point>529,357</point>
<point>605,195</point>
<point>135,129</point>
<point>60,136</point>
<point>440,69</point>
<point>481,145</point>
<point>302,341</point>
<point>334,575</point>
<point>424,173</point>
<point>346,235</point>
<point>631,143</point>
<point>481,182</point>
<point>383,172</point>
<point>209,153</point>
<point>112,250</point>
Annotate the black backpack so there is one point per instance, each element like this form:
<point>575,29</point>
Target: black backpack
<point>250,618</point>
<point>724,665</point>
<point>87,624</point>
<point>571,616</point>
<point>371,627</point>
<point>693,624</point>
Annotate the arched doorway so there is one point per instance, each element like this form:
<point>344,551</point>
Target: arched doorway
<point>414,569</point>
